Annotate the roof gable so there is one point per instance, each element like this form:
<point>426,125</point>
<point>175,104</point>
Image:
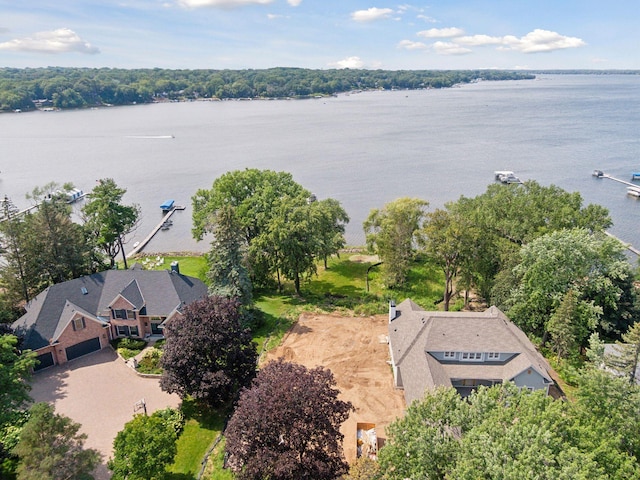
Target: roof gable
<point>414,333</point>
<point>162,292</point>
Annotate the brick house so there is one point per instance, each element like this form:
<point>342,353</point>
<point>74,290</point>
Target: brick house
<point>80,316</point>
<point>462,350</point>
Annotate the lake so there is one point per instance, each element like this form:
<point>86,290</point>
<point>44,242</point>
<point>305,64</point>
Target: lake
<point>362,149</point>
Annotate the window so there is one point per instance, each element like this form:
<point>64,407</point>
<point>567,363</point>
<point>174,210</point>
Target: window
<point>133,331</point>
<point>123,330</point>
<point>471,356</point>
<point>124,314</point>
<point>78,323</point>
<point>450,355</point>
<point>493,356</point>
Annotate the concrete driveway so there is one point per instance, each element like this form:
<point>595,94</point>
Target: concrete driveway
<point>99,391</point>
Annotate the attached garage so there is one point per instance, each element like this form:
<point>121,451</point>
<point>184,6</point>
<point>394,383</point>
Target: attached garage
<point>45,360</point>
<point>82,348</point>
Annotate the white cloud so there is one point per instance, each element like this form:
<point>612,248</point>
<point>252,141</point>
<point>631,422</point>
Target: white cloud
<point>294,3</point>
<point>441,32</point>
<point>541,41</point>
<point>273,16</point>
<point>411,45</point>
<point>349,62</point>
<point>371,14</point>
<point>450,48</point>
<point>479,40</point>
<point>62,40</point>
<point>222,3</point>
<point>427,18</point>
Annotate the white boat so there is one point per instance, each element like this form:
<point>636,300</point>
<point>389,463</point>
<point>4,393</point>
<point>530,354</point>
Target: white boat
<point>506,176</point>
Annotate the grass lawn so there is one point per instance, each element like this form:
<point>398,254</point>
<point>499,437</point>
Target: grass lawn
<point>200,430</point>
<point>193,266</point>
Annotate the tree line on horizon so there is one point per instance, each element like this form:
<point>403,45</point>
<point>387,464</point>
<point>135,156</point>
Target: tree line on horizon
<point>65,87</point>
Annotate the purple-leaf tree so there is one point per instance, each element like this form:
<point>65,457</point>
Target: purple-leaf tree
<point>287,426</point>
<point>208,354</point>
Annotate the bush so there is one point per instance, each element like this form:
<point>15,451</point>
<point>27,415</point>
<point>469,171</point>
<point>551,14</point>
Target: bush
<point>150,362</point>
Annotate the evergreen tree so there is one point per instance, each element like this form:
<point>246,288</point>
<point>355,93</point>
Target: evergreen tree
<point>227,273</point>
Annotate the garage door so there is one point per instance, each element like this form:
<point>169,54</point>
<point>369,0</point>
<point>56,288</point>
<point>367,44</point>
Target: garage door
<point>45,360</point>
<point>83,348</point>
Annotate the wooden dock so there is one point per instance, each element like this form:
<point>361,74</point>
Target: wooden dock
<point>628,184</point>
<point>626,245</point>
<point>157,228</point>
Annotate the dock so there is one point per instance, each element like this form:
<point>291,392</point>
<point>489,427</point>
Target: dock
<point>626,245</point>
<point>628,184</point>
<point>157,228</point>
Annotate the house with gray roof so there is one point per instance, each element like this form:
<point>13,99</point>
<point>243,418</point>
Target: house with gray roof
<point>461,350</point>
<point>73,318</point>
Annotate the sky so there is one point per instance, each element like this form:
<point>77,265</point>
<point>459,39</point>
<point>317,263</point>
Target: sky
<point>321,34</point>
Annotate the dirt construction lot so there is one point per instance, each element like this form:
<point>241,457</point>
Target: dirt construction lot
<point>354,349</point>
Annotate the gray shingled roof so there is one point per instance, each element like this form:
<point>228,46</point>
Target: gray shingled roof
<point>161,291</point>
<point>415,332</point>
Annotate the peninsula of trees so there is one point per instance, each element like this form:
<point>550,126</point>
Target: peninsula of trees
<point>59,87</point>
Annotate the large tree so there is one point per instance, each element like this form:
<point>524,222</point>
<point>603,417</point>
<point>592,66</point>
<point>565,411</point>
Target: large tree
<point>450,242</point>
<point>285,231</point>
<point>60,247</point>
<point>591,264</point>
<point>18,269</point>
<point>506,433</point>
<point>332,219</point>
<point>15,371</point>
<point>50,447</point>
<point>252,192</point>
<point>287,426</point>
<point>108,220</point>
<point>208,354</point>
<point>144,447</point>
<point>392,233</point>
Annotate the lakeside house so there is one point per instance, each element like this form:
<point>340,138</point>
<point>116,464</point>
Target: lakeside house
<point>80,316</point>
<point>462,350</point>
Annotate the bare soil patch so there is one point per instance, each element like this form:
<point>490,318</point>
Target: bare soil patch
<point>355,350</point>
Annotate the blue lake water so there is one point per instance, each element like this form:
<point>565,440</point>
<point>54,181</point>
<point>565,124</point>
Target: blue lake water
<point>362,149</point>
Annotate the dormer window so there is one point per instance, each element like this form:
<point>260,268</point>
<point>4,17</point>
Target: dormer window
<point>471,356</point>
<point>493,356</point>
<point>449,355</point>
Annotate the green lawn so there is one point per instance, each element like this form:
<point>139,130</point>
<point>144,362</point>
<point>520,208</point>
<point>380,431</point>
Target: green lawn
<point>200,431</point>
<point>193,266</point>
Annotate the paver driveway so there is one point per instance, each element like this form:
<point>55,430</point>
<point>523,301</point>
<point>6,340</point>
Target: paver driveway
<point>99,392</point>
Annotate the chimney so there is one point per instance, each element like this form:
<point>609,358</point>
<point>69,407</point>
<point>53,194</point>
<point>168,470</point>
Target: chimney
<point>392,311</point>
<point>175,267</point>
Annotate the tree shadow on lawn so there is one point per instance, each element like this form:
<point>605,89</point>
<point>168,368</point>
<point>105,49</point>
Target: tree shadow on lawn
<point>212,419</point>
<point>177,476</point>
